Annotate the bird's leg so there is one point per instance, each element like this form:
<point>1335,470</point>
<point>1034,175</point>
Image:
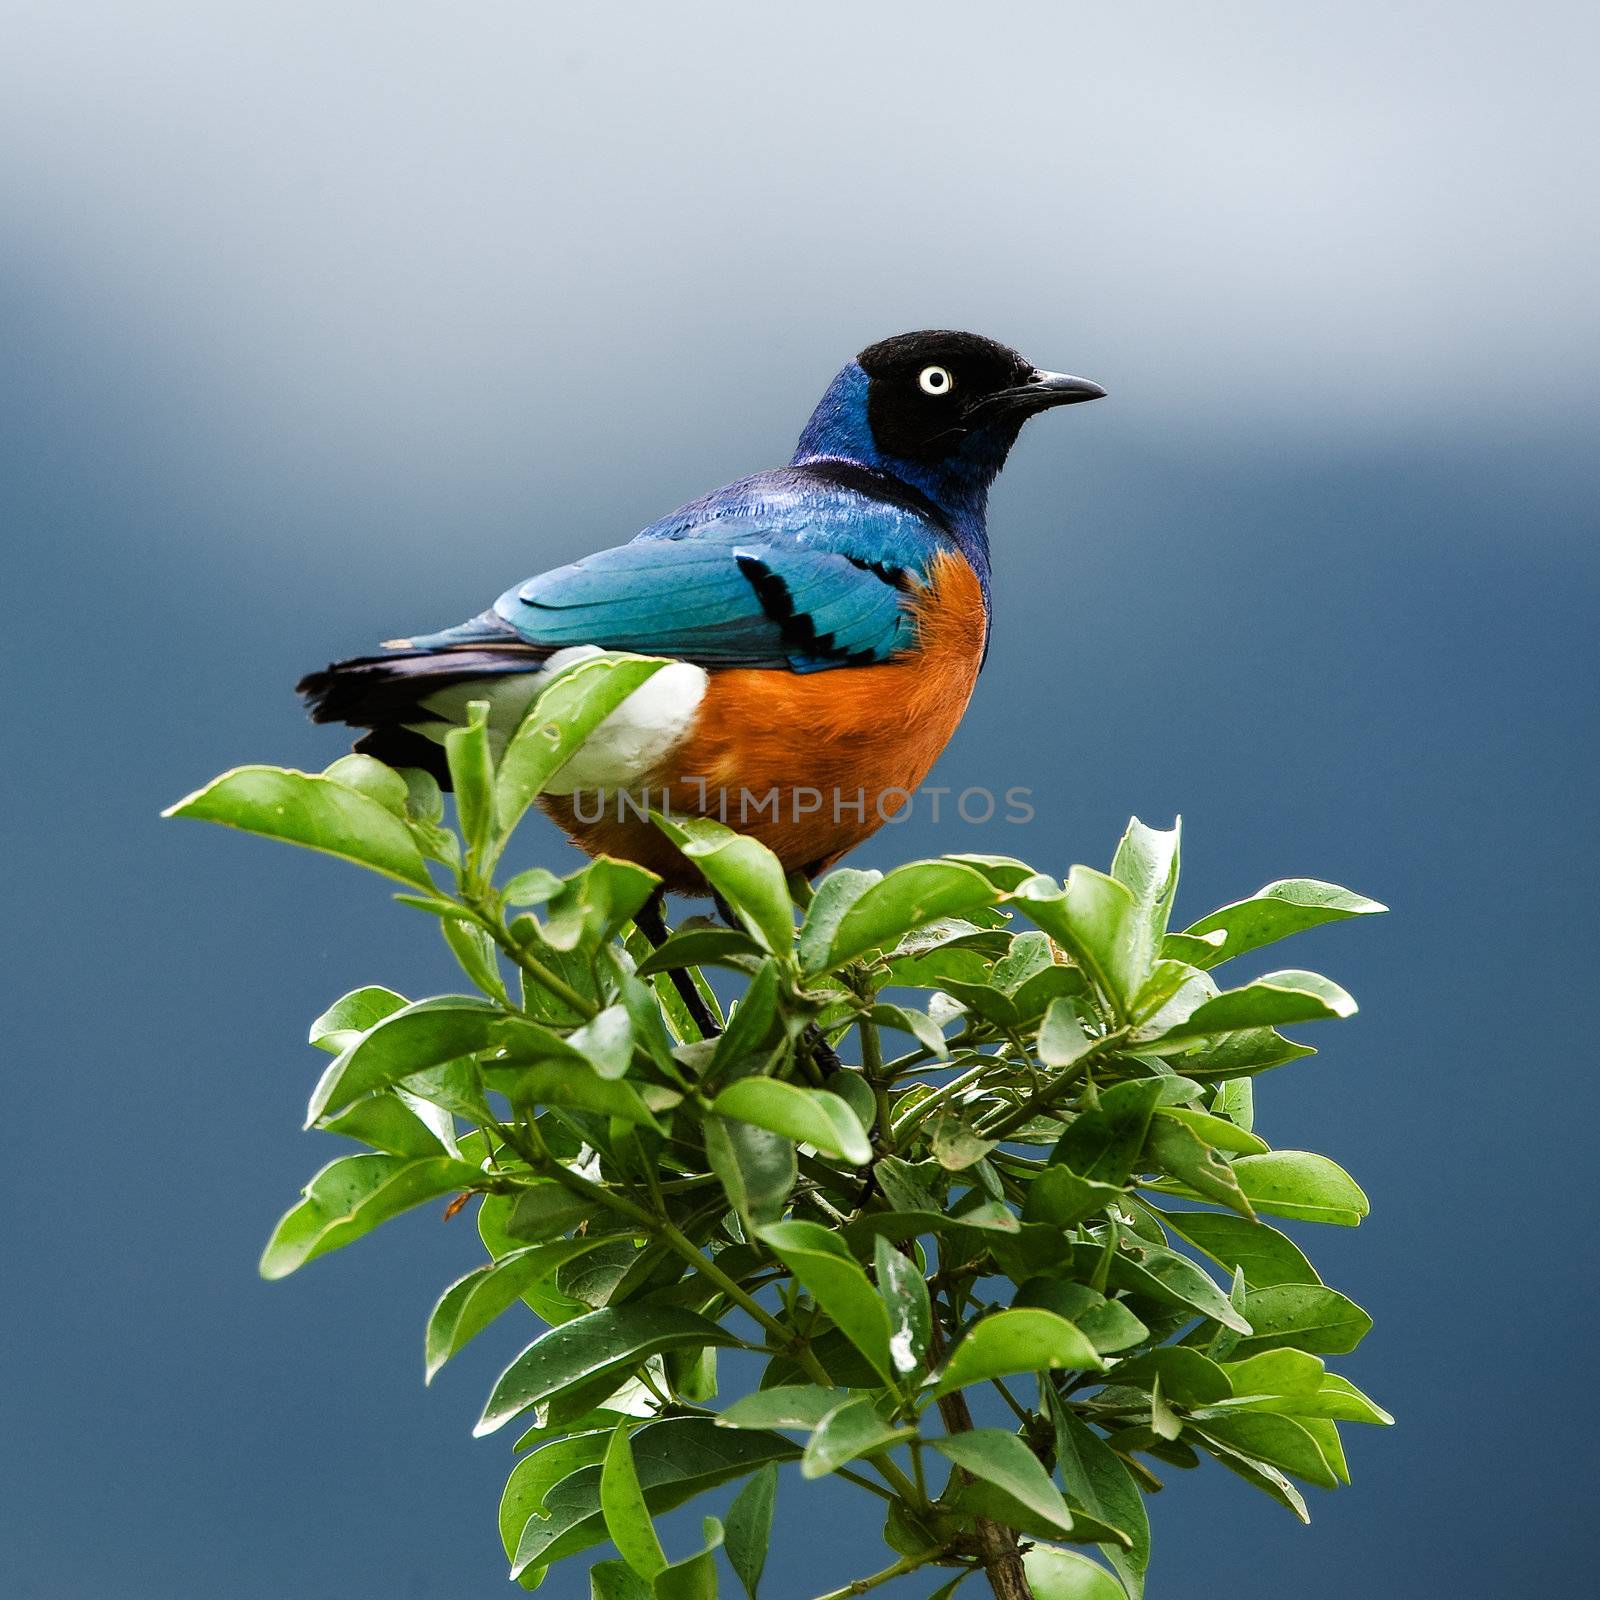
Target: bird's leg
<point>651,921</point>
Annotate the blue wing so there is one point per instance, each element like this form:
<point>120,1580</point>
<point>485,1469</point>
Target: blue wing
<point>785,570</point>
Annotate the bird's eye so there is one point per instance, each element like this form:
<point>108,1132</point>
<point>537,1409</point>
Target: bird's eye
<point>935,380</point>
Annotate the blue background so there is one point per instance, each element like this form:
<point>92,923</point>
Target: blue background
<point>319,325</point>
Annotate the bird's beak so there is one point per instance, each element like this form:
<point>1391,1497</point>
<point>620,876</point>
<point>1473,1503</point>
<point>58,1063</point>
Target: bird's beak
<point>1042,391</point>
<point>1046,389</point>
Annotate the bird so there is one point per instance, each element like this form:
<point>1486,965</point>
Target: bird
<point>823,625</point>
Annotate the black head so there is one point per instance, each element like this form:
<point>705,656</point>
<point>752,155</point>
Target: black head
<point>929,393</point>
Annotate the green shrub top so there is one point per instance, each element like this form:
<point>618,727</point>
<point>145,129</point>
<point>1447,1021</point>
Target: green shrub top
<point>1004,1269</point>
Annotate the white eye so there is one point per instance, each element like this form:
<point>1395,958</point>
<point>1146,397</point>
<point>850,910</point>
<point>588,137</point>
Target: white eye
<point>935,380</point>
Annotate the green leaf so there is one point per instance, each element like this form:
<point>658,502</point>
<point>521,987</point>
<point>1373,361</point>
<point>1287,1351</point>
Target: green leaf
<point>1265,1256</point>
<point>905,1294</point>
<point>475,952</point>
<point>1165,1423</point>
<point>573,1084</point>
<point>1269,1002</point>
<point>471,766</point>
<point>426,1033</point>
<point>607,1041</point>
<point>1218,1131</point>
<point>1004,872</point>
<point>613,1339</point>
<point>1003,1460</point>
<point>1097,1479</point>
<point>1063,1199</point>
<point>1238,1055</point>
<point>372,778</point>
<point>1023,1339</point>
<point>1062,1040</point>
<point>831,1277</point>
<point>1262,1475</point>
<point>396,1125</point>
<point>700,947</point>
<point>544,1210</point>
<point>471,1303</point>
<point>1274,912</point>
<point>808,1116</point>
<point>594,903</point>
<point>1195,950</point>
<point>1165,1276</point>
<point>1103,1143</point>
<point>744,872</point>
<point>531,888</point>
<point>749,1527</point>
<point>1275,1372</point>
<point>616,1580</point>
<point>557,724</point>
<point>909,897</point>
<point>1146,865</point>
<point>675,1458</point>
<point>983,1000</point>
<point>1174,1148</point>
<point>352,1015</point>
<point>1235,1102</point>
<point>1300,1184</point>
<point>317,812</point>
<point>622,1504</point>
<point>1056,1574</point>
<point>795,1405</point>
<point>537,1474</point>
<point>1337,1399</point>
<point>1282,1442</point>
<point>1186,1376</point>
<point>956,1146</point>
<point>1058,981</point>
<point>749,1028</point>
<point>694,1578</point>
<point>1303,1316</point>
<point>1096,919</point>
<point>1107,1324</point>
<point>756,1167</point>
<point>848,1431</point>
<point>351,1196</point>
<point>834,896</point>
<point>921,1027</point>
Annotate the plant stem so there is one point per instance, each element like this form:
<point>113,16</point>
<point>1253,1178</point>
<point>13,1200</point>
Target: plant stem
<point>872,1071</point>
<point>1007,1122</point>
<point>866,1483</point>
<point>943,1093</point>
<point>997,1544</point>
<point>535,969</point>
<point>904,1565</point>
<point>907,1063</point>
<point>899,1482</point>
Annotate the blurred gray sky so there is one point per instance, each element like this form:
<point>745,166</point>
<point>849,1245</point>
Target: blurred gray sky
<point>378,231</point>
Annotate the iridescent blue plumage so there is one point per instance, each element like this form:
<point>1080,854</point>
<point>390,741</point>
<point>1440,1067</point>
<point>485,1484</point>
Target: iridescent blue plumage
<point>805,567</point>
<point>786,569</point>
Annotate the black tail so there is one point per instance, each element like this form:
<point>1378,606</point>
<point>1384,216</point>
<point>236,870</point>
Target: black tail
<point>385,693</point>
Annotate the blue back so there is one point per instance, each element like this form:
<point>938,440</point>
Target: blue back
<point>807,567</point>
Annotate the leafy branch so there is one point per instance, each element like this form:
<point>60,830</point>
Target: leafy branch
<point>979,1259</point>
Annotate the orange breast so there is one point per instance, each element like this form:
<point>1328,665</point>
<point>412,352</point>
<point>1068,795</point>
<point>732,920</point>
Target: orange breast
<point>810,763</point>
